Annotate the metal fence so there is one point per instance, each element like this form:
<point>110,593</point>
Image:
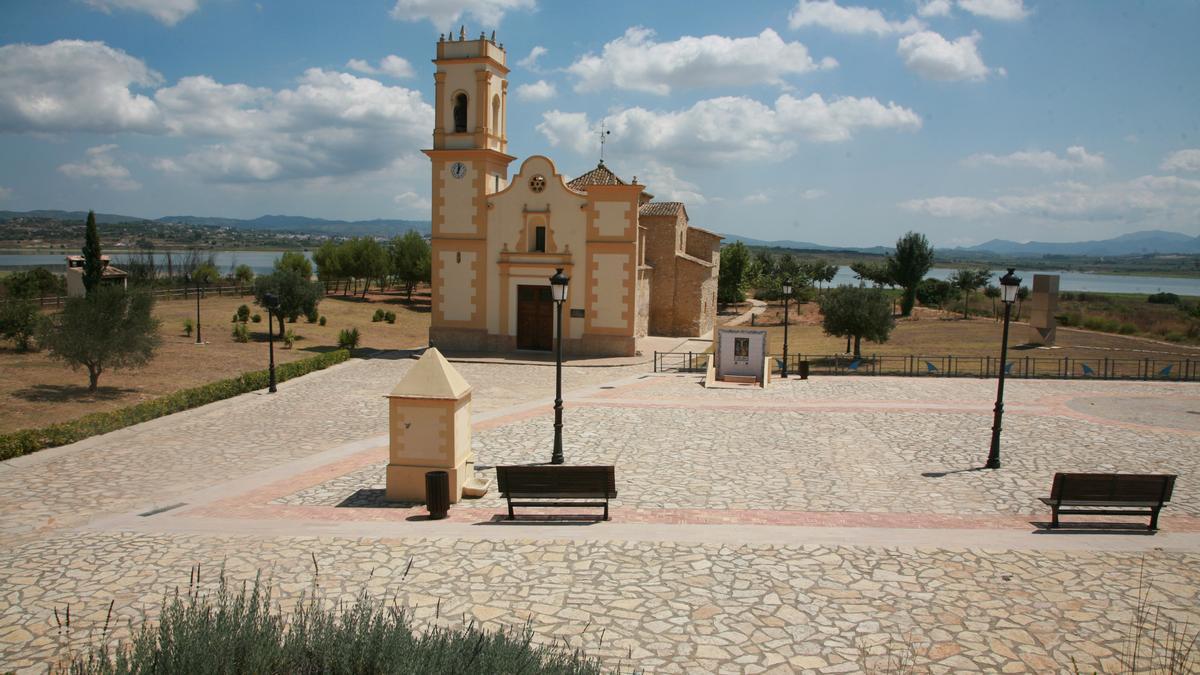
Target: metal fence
<point>1029,367</point>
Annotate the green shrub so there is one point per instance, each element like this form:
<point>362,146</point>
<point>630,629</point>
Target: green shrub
<point>378,316</point>
<point>1163,299</point>
<point>188,327</point>
<point>256,318</point>
<point>243,313</point>
<point>1174,336</point>
<point>322,321</point>
<point>289,339</point>
<point>240,332</point>
<point>348,338</point>
<point>245,631</point>
<point>390,317</point>
<point>311,315</point>
<point>1127,329</point>
<point>26,441</point>
<point>234,319</point>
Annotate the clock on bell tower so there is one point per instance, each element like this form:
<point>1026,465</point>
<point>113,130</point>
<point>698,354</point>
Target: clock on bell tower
<point>469,162</point>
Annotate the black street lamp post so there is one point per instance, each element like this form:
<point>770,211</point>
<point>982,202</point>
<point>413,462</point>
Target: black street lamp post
<point>271,302</point>
<point>558,289</point>
<point>787,295</point>
<point>187,279</point>
<point>1009,285</point>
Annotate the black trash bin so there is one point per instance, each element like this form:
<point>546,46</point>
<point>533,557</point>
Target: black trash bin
<point>437,494</point>
<point>802,369</point>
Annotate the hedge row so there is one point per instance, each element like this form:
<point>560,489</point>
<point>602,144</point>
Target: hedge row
<point>31,440</point>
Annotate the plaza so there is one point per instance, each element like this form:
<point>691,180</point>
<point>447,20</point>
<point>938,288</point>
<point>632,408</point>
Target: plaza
<point>837,524</point>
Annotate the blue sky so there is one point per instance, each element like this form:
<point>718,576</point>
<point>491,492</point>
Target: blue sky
<point>838,123</point>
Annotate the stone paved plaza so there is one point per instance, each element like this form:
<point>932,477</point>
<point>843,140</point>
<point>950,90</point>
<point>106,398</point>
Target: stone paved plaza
<point>828,525</point>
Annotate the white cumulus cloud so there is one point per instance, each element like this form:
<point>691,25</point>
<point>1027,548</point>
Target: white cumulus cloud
<point>1182,160</point>
<point>411,201</point>
<point>1076,158</point>
<point>73,85</point>
<point>101,166</point>
<point>850,20</point>
<point>729,128</point>
<point>169,12</point>
<point>534,54</point>
<point>390,65</point>
<point>667,186</point>
<point>812,193</point>
<point>1001,10</point>
<point>934,8</point>
<point>635,61</point>
<point>445,13</point>
<point>330,124</point>
<point>1146,201</point>
<point>537,91</point>
<point>934,57</point>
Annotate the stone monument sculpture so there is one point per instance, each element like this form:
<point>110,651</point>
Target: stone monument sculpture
<point>1043,305</point>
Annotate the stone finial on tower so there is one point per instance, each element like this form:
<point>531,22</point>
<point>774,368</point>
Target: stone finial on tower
<point>493,40</point>
<point>441,37</point>
<point>462,33</point>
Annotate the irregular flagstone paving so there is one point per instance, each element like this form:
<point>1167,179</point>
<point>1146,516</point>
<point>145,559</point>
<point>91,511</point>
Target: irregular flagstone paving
<point>893,450</point>
<point>664,607</point>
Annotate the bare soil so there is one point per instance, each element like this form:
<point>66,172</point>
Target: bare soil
<point>36,390</point>
<point>931,332</point>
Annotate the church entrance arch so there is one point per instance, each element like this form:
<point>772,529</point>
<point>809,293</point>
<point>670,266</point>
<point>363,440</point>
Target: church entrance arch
<point>535,318</point>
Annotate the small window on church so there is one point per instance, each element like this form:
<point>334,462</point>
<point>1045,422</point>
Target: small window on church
<point>539,239</point>
<point>460,113</point>
<point>537,183</point>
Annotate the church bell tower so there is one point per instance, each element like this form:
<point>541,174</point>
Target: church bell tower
<point>469,162</point>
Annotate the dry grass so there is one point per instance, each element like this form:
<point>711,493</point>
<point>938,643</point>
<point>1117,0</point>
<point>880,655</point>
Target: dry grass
<point>35,390</point>
<point>934,333</point>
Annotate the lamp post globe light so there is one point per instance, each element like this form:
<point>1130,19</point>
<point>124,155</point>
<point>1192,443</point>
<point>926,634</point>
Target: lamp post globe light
<point>558,290</point>
<point>787,295</point>
<point>1009,285</point>
<point>271,302</point>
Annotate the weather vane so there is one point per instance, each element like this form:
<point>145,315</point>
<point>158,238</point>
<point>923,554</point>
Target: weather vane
<point>604,133</point>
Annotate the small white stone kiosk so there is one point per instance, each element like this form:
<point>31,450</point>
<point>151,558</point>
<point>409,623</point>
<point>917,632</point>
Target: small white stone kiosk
<point>741,357</point>
<point>429,416</point>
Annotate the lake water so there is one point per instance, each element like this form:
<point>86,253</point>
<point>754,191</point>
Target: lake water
<point>262,261</point>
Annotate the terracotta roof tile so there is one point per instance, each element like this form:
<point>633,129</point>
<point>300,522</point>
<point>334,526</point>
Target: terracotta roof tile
<point>661,209</point>
<point>597,176</point>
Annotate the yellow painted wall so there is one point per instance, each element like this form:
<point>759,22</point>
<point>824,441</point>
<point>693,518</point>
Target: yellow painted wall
<point>611,290</point>
<point>612,218</point>
<point>456,286</point>
<point>457,210</point>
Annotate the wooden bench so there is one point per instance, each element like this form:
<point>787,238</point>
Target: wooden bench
<point>520,485</point>
<point>1115,494</point>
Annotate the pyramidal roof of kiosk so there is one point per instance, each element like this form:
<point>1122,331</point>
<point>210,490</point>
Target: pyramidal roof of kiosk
<point>432,377</point>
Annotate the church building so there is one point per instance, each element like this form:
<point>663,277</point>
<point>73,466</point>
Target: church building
<point>636,266</point>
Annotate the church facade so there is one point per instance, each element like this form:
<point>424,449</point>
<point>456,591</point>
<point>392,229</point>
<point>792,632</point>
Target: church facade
<point>636,266</point>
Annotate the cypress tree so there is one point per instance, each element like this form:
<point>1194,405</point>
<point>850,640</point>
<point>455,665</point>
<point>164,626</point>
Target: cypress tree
<point>93,267</point>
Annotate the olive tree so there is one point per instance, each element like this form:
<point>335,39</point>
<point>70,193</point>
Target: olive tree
<point>296,294</point>
<point>731,282</point>
<point>410,260</point>
<point>108,329</point>
<point>857,313</point>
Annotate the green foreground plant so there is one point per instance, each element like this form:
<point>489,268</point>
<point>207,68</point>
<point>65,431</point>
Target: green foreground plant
<point>27,441</point>
<point>237,632</point>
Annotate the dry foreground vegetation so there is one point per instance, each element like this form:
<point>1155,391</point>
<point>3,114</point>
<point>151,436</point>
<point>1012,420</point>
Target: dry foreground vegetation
<point>36,391</point>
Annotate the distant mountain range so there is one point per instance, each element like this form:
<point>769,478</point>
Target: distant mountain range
<point>802,245</point>
<point>1134,243</point>
<point>300,224</point>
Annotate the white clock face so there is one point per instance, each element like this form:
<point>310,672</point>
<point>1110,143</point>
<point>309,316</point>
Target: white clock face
<point>458,169</point>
